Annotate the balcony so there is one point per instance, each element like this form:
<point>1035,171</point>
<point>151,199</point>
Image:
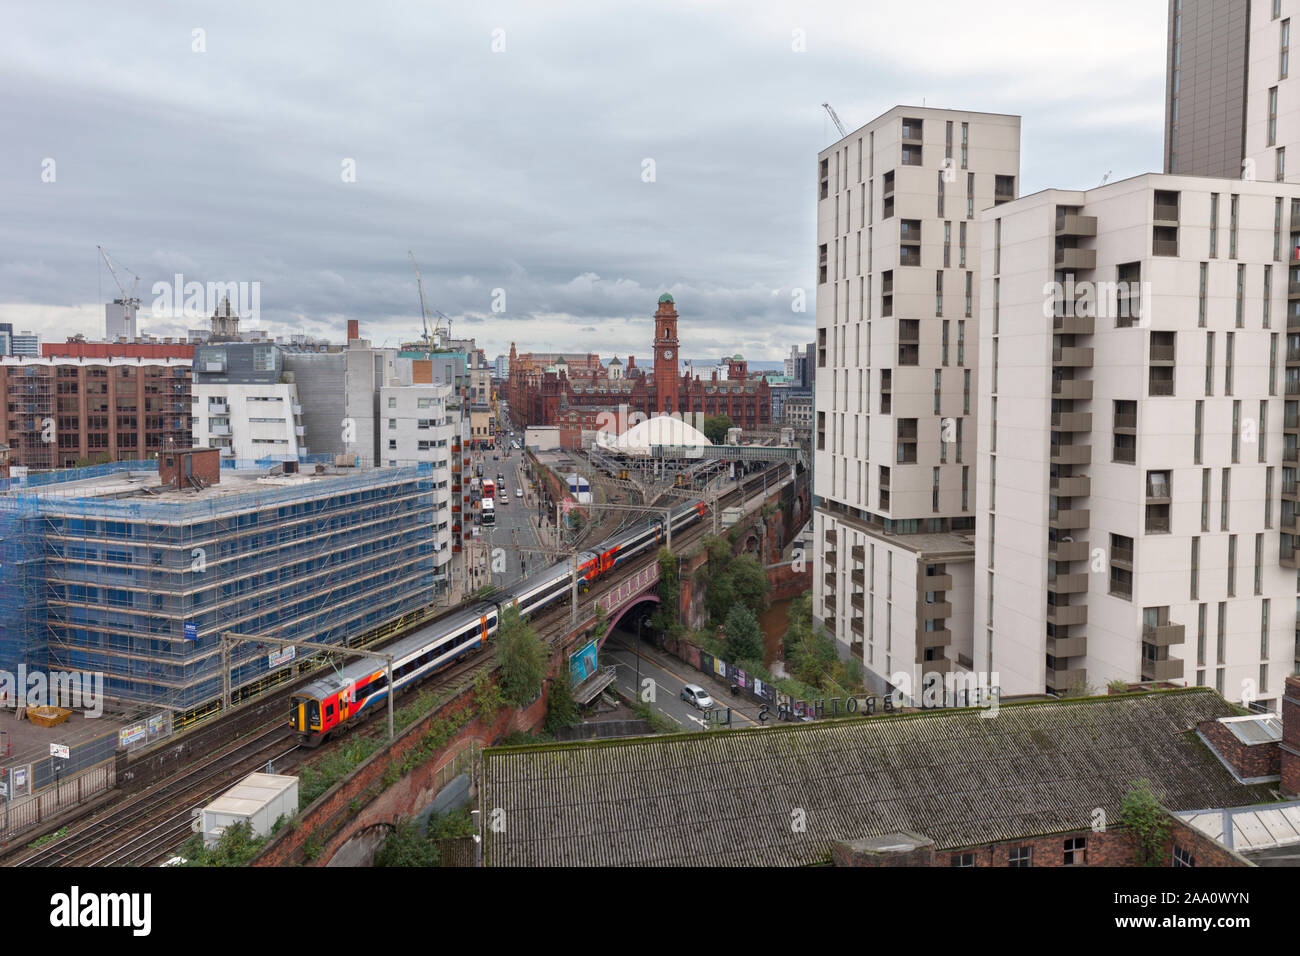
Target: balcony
<point>935,582</point>
<point>1076,389</point>
<point>1293,289</point>
<point>1164,247</point>
<point>227,451</point>
<point>299,430</point>
<point>936,611</point>
<point>1065,678</point>
<point>1067,646</point>
<point>1072,357</point>
<point>1123,557</point>
<point>830,603</point>
<point>1068,583</point>
<point>1162,670</point>
<point>942,665</point>
<point>1076,260</point>
<point>1062,551</point>
<point>1164,635</point>
<point>859,553</point>
<point>218,408</point>
<point>940,638</point>
<point>1072,421</point>
<point>1068,519</point>
<point>1072,324</point>
<point>856,627</point>
<point>1166,214</point>
<point>859,577</point>
<point>1071,454</point>
<point>1126,423</point>
<point>857,601</point>
<point>1287,558</point>
<point>1073,224</point>
<point>1291,491</point>
<point>1066,615</point>
<point>830,535</point>
<point>1162,354</point>
<point>912,132</point>
<point>219,429</point>
<point>828,558</point>
<point>1076,487</point>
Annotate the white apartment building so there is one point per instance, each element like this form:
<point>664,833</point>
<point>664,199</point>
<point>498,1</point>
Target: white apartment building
<point>422,423</point>
<point>249,421</point>
<point>1139,437</point>
<point>1272,115</point>
<point>896,386</point>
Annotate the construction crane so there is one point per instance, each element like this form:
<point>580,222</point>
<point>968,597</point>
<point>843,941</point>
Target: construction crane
<point>836,120</point>
<point>425,313</point>
<point>424,310</point>
<point>128,298</point>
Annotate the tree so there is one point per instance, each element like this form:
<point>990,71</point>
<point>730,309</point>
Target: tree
<point>561,708</point>
<point>749,582</point>
<point>744,639</point>
<point>522,657</point>
<point>1142,814</point>
<point>715,428</point>
<point>407,846</point>
<point>664,619</point>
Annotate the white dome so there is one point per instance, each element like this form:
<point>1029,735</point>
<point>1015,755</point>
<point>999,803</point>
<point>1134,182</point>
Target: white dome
<point>663,430</point>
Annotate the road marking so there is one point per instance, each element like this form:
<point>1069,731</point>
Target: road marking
<point>668,670</point>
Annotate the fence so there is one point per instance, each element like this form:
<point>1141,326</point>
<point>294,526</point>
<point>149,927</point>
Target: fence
<point>25,813</point>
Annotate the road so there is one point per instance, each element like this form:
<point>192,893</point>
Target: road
<point>506,548</point>
<point>669,679</point>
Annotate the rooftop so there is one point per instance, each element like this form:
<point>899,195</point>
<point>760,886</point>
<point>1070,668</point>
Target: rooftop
<point>955,777</point>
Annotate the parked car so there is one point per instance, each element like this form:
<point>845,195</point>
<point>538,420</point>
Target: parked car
<point>697,696</point>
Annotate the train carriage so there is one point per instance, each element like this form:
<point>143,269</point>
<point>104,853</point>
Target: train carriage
<point>334,700</point>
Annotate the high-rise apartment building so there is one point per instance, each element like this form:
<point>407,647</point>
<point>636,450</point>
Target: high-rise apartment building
<point>1205,87</point>
<point>896,358</point>
<point>1139,437</point>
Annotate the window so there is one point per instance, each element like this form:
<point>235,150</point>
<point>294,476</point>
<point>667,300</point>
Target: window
<point>1076,851</point>
<point>1196,440</point>
<point>1201,302</point>
<point>1279,164</point>
<point>1195,584</point>
<point>1232,226</point>
<point>1223,507</point>
<point>1020,855</point>
<point>1183,857</point>
<point>1272,116</point>
<point>963,859</point>
<point>1214,225</point>
<point>965,141</point>
<point>1284,55</point>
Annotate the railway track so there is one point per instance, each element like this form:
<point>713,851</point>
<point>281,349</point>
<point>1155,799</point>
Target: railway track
<point>127,833</point>
<point>144,829</point>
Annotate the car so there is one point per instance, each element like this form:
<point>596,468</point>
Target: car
<point>504,499</point>
<point>519,492</point>
<point>500,476</point>
<point>697,696</point>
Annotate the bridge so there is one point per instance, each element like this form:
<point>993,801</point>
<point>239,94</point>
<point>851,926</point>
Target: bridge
<point>347,823</point>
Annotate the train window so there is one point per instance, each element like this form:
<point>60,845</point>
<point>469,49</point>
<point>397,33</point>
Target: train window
<point>329,710</point>
<point>313,712</point>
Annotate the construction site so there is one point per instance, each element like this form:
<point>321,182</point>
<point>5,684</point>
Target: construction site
<point>124,571</point>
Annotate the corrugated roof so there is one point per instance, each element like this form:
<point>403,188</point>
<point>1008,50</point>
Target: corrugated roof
<point>1247,829</point>
<point>740,797</point>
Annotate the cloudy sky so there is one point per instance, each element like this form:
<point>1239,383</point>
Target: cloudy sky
<point>504,143</point>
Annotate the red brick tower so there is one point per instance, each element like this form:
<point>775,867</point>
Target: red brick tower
<point>667,380</point>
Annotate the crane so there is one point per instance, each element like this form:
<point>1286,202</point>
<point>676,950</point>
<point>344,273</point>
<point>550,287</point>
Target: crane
<point>425,314</point>
<point>836,120</point>
<point>128,298</point>
<point>424,310</point>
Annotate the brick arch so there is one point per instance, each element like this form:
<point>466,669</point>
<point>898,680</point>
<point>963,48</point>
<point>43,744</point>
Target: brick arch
<point>648,598</point>
<point>360,848</point>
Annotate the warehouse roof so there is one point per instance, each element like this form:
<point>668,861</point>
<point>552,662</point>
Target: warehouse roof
<point>786,795</point>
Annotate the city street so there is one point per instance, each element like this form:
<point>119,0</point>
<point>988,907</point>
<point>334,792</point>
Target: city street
<point>669,677</point>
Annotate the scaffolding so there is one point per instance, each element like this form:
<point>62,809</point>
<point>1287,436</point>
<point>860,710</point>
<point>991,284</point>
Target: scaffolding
<point>138,584</point>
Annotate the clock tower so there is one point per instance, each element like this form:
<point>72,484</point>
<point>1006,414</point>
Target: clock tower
<point>667,360</point>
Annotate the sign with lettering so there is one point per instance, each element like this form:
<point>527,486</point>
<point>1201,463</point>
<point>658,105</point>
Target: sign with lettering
<point>60,750</point>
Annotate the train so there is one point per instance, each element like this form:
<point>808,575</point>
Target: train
<point>328,705</point>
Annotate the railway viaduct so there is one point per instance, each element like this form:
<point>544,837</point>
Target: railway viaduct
<point>350,821</point>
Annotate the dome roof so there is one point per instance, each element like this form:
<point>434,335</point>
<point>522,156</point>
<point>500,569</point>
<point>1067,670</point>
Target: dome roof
<point>662,430</point>
<point>665,298</point>
<point>737,357</point>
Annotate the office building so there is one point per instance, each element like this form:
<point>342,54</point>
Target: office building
<point>245,404</point>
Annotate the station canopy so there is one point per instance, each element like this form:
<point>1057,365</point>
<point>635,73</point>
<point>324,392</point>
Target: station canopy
<point>663,430</point>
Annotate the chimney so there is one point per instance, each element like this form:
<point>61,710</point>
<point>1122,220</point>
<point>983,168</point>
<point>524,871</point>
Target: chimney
<point>354,329</point>
<point>1290,745</point>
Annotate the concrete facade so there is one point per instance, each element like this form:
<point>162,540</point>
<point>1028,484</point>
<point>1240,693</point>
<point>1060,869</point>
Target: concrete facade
<point>1134,461</point>
<point>895,381</point>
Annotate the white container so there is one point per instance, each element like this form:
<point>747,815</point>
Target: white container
<point>259,800</point>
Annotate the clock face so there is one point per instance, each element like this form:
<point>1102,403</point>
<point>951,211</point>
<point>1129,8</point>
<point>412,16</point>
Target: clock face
<point>668,353</point>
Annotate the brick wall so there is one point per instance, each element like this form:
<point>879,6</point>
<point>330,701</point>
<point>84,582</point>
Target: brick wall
<point>1249,760</point>
<point>363,800</point>
<point>1290,747</point>
<point>788,583</point>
